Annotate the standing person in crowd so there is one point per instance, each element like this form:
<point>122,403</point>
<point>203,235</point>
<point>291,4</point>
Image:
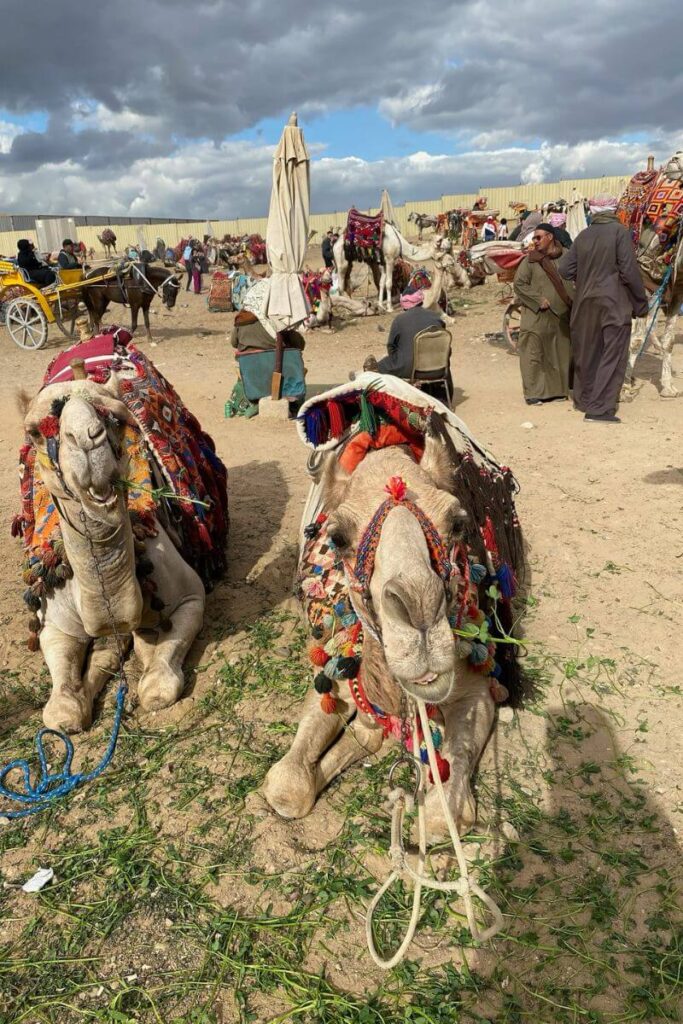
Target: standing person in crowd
<point>559,221</point>
<point>544,348</point>
<point>609,293</point>
<point>38,272</point>
<point>502,229</point>
<point>489,231</point>
<point>187,260</point>
<point>327,250</point>
<point>199,267</point>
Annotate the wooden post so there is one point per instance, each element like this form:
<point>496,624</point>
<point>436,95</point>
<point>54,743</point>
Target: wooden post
<point>276,380</point>
<point>78,369</point>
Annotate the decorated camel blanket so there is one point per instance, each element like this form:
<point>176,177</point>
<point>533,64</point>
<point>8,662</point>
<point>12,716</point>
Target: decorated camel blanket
<point>173,472</point>
<point>219,299</point>
<point>651,208</point>
<point>363,236</point>
<point>373,412</point>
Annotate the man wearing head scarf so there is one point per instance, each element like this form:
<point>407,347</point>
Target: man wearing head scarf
<point>544,348</point>
<point>609,292</point>
<point>558,221</point>
<point>414,318</point>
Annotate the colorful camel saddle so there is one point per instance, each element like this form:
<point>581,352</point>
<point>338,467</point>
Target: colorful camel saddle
<point>219,299</point>
<point>173,474</point>
<point>376,412</point>
<point>363,236</point>
<point>651,208</point>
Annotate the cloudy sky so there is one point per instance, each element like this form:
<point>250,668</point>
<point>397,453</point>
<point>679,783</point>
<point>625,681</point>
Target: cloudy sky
<point>160,107</point>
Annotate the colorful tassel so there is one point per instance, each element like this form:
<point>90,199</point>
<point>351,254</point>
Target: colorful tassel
<point>204,536</point>
<point>368,418</point>
<point>328,703</point>
<point>396,488</point>
<point>335,411</point>
<point>506,581</point>
<point>33,642</point>
<point>49,426</point>
<point>316,425</point>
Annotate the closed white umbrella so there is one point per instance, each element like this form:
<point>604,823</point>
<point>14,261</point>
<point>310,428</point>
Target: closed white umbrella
<point>287,231</point>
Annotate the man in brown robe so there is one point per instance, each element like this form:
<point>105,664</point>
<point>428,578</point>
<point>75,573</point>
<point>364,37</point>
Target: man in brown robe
<point>609,292</point>
<point>544,348</point>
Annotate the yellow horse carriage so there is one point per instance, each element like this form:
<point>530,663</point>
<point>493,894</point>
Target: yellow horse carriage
<point>28,310</point>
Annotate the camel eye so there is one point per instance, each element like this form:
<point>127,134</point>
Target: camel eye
<point>337,537</point>
<point>457,522</point>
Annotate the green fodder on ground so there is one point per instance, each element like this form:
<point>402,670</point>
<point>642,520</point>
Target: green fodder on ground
<point>178,897</point>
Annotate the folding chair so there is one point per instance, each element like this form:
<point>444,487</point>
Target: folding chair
<point>432,359</point>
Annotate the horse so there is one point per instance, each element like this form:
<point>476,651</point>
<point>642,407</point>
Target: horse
<point>136,291</point>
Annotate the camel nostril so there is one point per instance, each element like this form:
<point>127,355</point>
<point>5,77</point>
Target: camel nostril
<point>96,431</point>
<point>413,604</point>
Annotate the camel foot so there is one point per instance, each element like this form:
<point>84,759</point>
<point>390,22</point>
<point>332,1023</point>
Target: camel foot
<point>159,688</point>
<point>67,712</point>
<point>289,788</point>
<point>462,806</point>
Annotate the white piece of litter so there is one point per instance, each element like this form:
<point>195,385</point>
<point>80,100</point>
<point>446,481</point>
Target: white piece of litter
<point>528,425</point>
<point>39,880</point>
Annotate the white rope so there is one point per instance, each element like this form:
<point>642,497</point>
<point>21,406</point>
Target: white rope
<point>464,886</point>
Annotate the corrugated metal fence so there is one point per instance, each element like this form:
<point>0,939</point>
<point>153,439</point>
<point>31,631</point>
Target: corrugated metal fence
<point>129,229</point>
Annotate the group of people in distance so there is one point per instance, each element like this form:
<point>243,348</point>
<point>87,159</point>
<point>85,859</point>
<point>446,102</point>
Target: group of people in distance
<point>577,302</point>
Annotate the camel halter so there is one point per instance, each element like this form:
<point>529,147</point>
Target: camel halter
<point>358,577</point>
<point>444,563</point>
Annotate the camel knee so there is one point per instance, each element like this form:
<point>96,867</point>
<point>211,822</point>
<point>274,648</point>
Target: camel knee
<point>290,787</point>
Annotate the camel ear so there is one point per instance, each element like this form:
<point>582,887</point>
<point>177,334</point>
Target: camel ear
<point>335,482</point>
<point>109,398</point>
<point>437,461</point>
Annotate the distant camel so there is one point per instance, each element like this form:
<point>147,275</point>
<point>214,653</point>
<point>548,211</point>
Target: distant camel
<point>108,242</point>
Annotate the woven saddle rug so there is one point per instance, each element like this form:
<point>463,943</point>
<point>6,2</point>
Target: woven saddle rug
<point>219,299</point>
<point>172,473</point>
<point>652,207</point>
<point>378,411</point>
<point>363,236</point>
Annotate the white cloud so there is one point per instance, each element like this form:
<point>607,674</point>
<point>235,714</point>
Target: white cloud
<point>8,133</point>
<point>234,179</point>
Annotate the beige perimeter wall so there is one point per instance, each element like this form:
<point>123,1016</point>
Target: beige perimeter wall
<point>498,199</point>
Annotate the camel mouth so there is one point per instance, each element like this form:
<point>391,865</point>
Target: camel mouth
<point>431,687</point>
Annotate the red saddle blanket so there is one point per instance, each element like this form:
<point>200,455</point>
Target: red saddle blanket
<point>364,231</point>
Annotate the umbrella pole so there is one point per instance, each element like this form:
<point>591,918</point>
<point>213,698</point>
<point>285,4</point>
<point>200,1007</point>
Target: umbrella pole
<point>276,380</point>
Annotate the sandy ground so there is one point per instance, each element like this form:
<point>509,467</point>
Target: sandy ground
<point>600,504</point>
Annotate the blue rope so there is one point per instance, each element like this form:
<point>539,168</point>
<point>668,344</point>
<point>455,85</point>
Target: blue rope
<point>53,785</point>
<point>655,303</point>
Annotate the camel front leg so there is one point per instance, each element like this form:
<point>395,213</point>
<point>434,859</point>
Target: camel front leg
<point>292,784</point>
<point>69,708</point>
<point>388,279</point>
<point>360,738</point>
<point>134,311</point>
<point>162,654</point>
<point>468,719</point>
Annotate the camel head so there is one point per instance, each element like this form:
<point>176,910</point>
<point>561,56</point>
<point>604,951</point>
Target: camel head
<point>76,429</point>
<point>673,168</point>
<point>405,603</point>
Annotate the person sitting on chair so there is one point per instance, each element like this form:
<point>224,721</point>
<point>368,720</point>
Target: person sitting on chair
<point>399,358</point>
<point>37,272</point>
<point>67,258</point>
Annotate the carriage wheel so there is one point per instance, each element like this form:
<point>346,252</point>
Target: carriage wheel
<point>512,319</point>
<point>26,323</point>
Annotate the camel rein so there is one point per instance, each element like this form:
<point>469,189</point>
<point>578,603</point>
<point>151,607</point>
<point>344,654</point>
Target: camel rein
<point>50,786</point>
<point>358,578</point>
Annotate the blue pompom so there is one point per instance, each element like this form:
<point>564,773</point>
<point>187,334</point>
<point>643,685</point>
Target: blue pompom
<point>506,581</point>
<point>340,607</point>
<point>477,572</point>
<point>479,654</point>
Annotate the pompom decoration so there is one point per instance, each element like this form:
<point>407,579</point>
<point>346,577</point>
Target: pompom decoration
<point>49,426</point>
<point>335,412</point>
<point>318,656</point>
<point>443,768</point>
<point>396,488</point>
<point>33,643</point>
<point>328,703</point>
